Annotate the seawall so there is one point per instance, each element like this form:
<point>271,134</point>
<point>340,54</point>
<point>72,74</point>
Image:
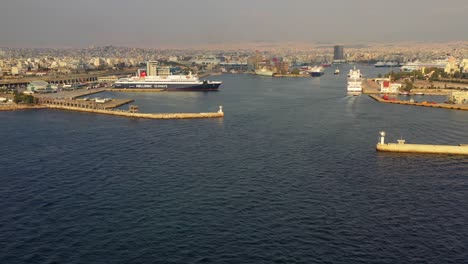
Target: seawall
<point>443,105</point>
<point>219,114</point>
<point>13,107</point>
<point>422,148</point>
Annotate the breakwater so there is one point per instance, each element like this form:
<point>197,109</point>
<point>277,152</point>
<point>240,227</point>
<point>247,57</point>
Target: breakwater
<point>218,114</point>
<point>402,146</point>
<point>424,104</point>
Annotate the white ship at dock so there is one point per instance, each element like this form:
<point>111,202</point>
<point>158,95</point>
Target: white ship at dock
<point>166,82</point>
<point>354,81</point>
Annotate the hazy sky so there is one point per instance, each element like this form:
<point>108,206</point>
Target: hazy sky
<point>154,23</point>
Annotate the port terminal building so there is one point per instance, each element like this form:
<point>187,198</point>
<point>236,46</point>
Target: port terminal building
<point>458,97</point>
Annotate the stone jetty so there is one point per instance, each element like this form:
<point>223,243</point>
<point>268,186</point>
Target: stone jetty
<point>218,114</point>
<point>425,104</point>
<point>402,146</point>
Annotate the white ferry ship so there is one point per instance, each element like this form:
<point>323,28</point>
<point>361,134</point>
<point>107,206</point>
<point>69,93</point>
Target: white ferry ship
<point>354,81</point>
<point>166,81</point>
<point>317,71</point>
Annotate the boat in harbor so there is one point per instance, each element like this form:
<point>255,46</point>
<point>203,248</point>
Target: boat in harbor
<point>160,78</point>
<point>337,71</point>
<point>354,81</point>
<point>264,72</point>
<point>168,83</point>
<point>317,71</point>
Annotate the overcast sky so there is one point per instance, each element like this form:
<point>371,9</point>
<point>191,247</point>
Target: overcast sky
<point>154,23</point>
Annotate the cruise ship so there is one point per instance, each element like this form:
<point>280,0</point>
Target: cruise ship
<point>166,82</point>
<point>354,81</point>
<point>317,71</point>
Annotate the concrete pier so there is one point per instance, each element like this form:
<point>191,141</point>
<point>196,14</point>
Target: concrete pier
<point>81,103</point>
<point>401,146</point>
<point>291,75</point>
<point>114,103</point>
<point>425,104</point>
<point>13,107</point>
<point>218,114</point>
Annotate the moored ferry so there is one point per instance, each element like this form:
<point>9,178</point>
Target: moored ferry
<point>317,71</point>
<point>168,83</point>
<point>354,81</point>
<point>159,78</point>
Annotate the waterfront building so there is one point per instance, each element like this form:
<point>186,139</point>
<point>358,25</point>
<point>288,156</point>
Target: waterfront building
<point>464,66</point>
<point>206,61</point>
<point>458,97</point>
<point>39,87</point>
<point>173,58</point>
<point>389,87</point>
<point>112,78</point>
<point>452,66</point>
<point>14,71</point>
<point>152,68</point>
<point>338,54</point>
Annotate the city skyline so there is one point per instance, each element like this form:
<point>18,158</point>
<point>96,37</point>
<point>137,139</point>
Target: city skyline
<point>163,24</point>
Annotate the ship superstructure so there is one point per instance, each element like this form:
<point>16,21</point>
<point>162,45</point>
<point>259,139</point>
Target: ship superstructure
<point>354,81</point>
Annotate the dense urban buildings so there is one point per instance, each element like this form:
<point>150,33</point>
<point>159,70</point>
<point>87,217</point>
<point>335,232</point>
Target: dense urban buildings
<point>17,63</point>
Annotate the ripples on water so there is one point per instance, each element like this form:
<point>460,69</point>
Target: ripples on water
<point>289,176</point>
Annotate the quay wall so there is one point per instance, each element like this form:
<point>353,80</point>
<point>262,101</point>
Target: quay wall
<point>291,75</point>
<point>421,148</point>
<point>142,115</point>
<point>12,107</point>
<point>445,106</point>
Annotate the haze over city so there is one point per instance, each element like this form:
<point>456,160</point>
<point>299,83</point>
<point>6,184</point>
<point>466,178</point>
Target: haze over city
<point>165,24</point>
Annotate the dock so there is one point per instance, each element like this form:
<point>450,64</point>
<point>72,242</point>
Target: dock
<point>13,107</point>
<point>71,94</point>
<point>403,147</point>
<point>114,103</point>
<point>370,87</point>
<point>424,104</point>
<point>107,108</point>
<point>291,75</point>
<point>86,104</point>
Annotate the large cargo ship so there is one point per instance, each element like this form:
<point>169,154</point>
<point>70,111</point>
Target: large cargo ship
<point>354,81</point>
<point>160,78</point>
